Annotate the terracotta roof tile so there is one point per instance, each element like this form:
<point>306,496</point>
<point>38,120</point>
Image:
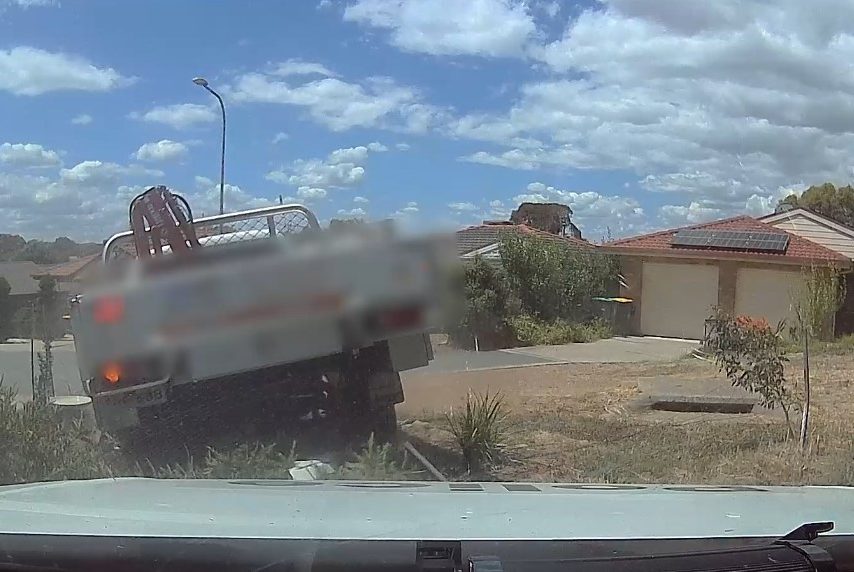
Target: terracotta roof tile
<point>70,268</point>
<point>799,249</point>
<point>477,237</point>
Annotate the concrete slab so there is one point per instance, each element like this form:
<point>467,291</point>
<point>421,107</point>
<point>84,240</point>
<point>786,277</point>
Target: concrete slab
<point>711,395</point>
<point>613,350</point>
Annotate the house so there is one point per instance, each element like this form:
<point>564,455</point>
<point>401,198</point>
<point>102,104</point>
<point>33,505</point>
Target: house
<point>19,275</point>
<point>484,239</point>
<point>23,287</point>
<point>71,276</point>
<point>742,265</point>
<point>23,278</point>
<point>830,234</point>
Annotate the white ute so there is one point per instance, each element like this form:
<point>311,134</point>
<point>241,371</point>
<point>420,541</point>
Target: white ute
<point>263,302</point>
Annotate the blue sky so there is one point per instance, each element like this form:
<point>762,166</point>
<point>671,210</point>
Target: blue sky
<point>439,113</point>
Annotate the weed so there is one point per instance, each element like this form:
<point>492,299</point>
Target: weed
<point>374,463</point>
<point>480,430</point>
<point>36,446</point>
<point>246,461</point>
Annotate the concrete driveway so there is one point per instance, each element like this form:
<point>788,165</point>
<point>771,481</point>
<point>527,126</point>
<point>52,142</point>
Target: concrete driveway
<point>614,350</point>
<point>15,359</point>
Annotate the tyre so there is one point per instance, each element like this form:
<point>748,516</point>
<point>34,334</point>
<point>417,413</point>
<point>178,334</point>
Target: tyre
<point>384,423</point>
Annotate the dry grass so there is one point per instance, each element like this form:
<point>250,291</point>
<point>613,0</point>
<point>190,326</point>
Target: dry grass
<point>596,434</point>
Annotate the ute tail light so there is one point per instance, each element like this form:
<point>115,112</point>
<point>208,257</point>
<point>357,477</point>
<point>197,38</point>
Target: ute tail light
<point>112,373</point>
<point>108,310</point>
<point>400,318</point>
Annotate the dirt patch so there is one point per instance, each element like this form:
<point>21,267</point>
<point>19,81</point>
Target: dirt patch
<point>579,422</point>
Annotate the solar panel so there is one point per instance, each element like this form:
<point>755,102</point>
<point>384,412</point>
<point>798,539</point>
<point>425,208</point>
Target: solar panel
<point>732,239</point>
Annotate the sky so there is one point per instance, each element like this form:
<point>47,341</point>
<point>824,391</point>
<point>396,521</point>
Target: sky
<point>639,114</point>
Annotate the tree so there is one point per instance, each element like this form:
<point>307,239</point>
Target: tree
<point>555,281</point>
<point>819,297</point>
<point>549,217</point>
<point>826,200</point>
<point>488,306</point>
<point>6,309</point>
<point>752,356</point>
<point>48,322</point>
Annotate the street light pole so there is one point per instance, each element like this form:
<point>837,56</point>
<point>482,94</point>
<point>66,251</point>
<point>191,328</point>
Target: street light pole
<point>204,83</point>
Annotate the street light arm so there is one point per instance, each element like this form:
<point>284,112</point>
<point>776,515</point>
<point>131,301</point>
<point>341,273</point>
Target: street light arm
<point>222,155</point>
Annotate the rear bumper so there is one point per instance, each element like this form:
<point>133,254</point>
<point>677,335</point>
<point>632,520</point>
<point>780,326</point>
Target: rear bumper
<point>118,409</point>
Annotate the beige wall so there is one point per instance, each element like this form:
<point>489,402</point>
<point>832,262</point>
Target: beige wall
<point>632,267</point>
<point>812,230</point>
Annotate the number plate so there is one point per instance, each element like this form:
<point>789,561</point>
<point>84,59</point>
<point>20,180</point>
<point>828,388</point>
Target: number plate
<point>139,398</point>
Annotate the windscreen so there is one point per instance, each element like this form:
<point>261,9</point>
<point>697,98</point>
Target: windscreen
<point>596,243</point>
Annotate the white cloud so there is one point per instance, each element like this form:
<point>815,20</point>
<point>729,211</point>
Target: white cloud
<point>315,172</point>
<point>82,119</point>
<point>462,207</point>
<point>279,137</point>
<point>31,71</point>
<point>358,199</point>
<point>402,146</point>
<point>695,212</point>
<point>205,202</point>
<point>203,182</point>
<point>311,193</point>
<point>410,209</point>
<point>179,115</point>
<point>340,105</point>
<point>103,173</point>
<point>28,155</point>
<point>449,27</point>
<point>88,201</point>
<point>31,3</point>
<point>377,147</point>
<point>299,67</point>
<point>356,155</point>
<point>163,150</point>
<point>352,213</point>
<point>722,101</point>
<point>496,204</point>
<point>340,169</point>
<point>514,159</point>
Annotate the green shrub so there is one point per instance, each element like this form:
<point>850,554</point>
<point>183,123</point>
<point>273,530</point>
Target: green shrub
<point>246,461</point>
<point>534,332</point>
<point>752,355</point>
<point>480,430</point>
<point>36,446</point>
<point>374,463</point>
<point>553,281</point>
<point>488,306</point>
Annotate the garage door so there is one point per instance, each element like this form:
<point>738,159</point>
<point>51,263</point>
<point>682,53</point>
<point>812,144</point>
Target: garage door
<point>766,293</point>
<point>676,299</point>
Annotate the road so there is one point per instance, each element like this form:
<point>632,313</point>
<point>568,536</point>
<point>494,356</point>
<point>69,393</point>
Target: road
<point>15,368</point>
<point>15,359</point>
<point>613,350</point>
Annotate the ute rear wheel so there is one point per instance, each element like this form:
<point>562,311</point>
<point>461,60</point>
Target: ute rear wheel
<point>368,391</point>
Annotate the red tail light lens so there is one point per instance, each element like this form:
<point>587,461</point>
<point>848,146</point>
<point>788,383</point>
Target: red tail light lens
<point>401,318</point>
<point>112,373</point>
<point>109,310</point>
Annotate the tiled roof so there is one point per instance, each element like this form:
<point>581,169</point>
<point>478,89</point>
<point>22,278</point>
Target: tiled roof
<point>477,237</point>
<point>68,269</point>
<point>799,250</point>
